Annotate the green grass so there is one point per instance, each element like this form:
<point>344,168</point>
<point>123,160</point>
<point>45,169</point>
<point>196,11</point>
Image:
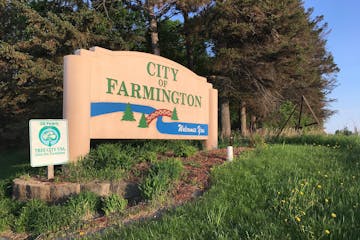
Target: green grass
<point>278,192</point>
<point>13,163</point>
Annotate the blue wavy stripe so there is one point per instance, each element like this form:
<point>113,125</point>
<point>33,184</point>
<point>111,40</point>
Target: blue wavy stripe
<point>181,128</point>
<point>100,108</point>
<point>174,128</point>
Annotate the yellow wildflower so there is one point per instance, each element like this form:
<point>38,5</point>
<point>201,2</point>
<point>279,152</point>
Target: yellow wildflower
<point>278,193</point>
<point>326,175</point>
<point>327,232</point>
<point>283,201</point>
<point>302,213</point>
<point>301,193</point>
<point>81,233</point>
<point>318,186</point>
<point>333,215</point>
<point>326,200</point>
<point>297,219</point>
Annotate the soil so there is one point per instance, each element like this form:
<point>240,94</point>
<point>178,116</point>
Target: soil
<point>193,184</point>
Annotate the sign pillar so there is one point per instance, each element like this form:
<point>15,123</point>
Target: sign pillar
<point>76,104</point>
<point>212,142</point>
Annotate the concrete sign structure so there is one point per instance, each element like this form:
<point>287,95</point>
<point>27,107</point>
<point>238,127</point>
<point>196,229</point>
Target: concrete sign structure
<point>48,142</point>
<point>133,95</point>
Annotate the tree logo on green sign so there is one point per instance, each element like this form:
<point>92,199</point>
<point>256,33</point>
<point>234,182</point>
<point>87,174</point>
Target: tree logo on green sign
<point>49,136</point>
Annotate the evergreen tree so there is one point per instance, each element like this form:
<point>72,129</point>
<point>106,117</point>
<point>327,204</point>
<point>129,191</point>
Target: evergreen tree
<point>128,114</point>
<point>174,115</point>
<point>142,122</point>
<point>266,52</point>
<point>34,38</point>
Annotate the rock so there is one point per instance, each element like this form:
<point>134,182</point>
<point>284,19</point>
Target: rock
<point>60,192</point>
<point>128,190</point>
<point>197,193</point>
<point>99,188</point>
<point>30,189</point>
<point>24,190</point>
<point>57,192</point>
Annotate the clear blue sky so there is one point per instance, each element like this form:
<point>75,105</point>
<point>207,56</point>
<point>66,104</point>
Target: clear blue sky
<point>343,18</point>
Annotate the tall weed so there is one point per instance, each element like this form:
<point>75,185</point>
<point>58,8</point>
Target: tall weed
<point>161,176</point>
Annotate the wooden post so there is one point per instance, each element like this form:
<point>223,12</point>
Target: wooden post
<point>298,126</point>
<point>50,172</point>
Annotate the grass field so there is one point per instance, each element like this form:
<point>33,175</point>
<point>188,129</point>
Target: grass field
<point>282,191</point>
<point>294,188</point>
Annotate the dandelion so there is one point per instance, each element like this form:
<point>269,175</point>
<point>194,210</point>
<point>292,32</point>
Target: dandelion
<point>327,232</point>
<point>319,186</point>
<point>81,233</point>
<point>333,215</point>
<point>297,219</point>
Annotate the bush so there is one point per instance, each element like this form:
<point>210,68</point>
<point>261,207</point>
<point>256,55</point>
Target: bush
<point>114,203</point>
<point>184,150</point>
<point>83,205</point>
<point>161,177</point>
<point>6,216</point>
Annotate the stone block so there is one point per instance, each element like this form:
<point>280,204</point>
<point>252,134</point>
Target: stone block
<point>99,188</point>
<point>127,190</point>
<point>60,192</point>
<point>31,189</point>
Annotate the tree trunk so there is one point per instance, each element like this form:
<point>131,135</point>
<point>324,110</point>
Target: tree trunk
<point>188,43</point>
<point>225,119</point>
<point>253,124</point>
<point>244,131</point>
<point>153,30</point>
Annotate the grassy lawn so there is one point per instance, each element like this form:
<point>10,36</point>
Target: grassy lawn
<point>13,162</point>
<point>282,191</point>
<point>295,188</point>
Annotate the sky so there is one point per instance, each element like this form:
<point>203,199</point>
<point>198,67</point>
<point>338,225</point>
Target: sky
<point>343,18</point>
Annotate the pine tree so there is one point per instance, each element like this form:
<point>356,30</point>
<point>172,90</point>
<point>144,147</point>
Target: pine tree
<point>142,122</point>
<point>128,114</point>
<point>174,115</point>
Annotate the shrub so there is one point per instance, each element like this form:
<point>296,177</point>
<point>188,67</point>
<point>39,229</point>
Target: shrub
<point>111,155</point>
<point>184,150</point>
<point>161,177</point>
<point>258,141</point>
<point>83,205</point>
<point>114,203</point>
<point>6,216</point>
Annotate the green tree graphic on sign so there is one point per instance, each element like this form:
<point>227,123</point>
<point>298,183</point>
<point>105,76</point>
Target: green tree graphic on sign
<point>174,115</point>
<point>142,122</point>
<point>128,114</point>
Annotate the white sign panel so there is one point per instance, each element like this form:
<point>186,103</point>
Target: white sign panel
<point>48,142</point>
